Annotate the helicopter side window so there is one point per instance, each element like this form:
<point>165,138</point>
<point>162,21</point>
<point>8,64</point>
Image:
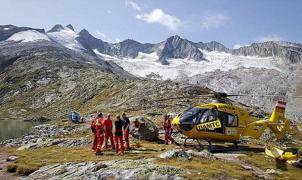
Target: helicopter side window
<point>232,121</point>
<point>209,115</point>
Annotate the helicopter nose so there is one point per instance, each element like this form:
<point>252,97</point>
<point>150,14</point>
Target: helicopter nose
<point>176,121</point>
<point>181,124</point>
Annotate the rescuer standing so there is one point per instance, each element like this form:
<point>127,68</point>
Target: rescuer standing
<point>99,133</point>
<point>119,144</point>
<point>108,133</point>
<point>93,129</point>
<point>126,131</point>
<point>168,129</point>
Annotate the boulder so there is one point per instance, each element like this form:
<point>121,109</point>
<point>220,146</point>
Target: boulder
<point>176,153</point>
<point>11,158</point>
<point>145,129</point>
<point>205,154</point>
<point>273,172</point>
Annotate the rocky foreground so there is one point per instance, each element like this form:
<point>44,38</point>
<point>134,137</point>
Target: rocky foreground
<point>116,169</point>
<point>62,151</point>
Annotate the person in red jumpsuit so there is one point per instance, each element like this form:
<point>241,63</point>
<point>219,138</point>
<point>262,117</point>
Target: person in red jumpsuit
<point>99,133</point>
<point>93,129</point>
<point>126,131</point>
<point>168,129</point>
<point>119,144</point>
<point>108,133</point>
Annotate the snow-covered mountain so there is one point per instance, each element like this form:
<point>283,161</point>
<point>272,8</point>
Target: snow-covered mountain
<point>65,36</point>
<point>173,58</point>
<point>166,52</point>
<point>28,36</point>
<point>266,68</point>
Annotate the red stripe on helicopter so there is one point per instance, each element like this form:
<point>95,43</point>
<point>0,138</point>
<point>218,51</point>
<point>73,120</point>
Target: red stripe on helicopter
<point>281,105</point>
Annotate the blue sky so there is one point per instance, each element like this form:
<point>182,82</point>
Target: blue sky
<point>231,22</point>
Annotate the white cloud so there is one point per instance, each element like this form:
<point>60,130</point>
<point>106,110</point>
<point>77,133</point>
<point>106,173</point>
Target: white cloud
<point>269,38</point>
<point>214,21</point>
<point>160,17</point>
<point>109,12</point>
<point>104,37</point>
<point>133,5</point>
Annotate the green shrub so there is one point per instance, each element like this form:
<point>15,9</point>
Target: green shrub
<point>11,168</point>
<point>26,170</point>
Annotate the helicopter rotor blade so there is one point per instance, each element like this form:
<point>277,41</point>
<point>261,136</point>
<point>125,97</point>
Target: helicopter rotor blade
<point>263,95</point>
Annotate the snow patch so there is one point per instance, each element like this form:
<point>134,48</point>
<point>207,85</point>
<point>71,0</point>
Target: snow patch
<point>146,65</point>
<point>28,36</point>
<point>67,38</point>
<point>6,29</point>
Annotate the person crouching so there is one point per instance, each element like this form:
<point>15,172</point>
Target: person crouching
<point>119,144</point>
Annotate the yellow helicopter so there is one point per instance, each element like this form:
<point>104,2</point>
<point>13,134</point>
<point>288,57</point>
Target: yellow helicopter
<point>224,122</point>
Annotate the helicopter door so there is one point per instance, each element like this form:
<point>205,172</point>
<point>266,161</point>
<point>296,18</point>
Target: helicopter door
<point>230,123</point>
<point>210,122</point>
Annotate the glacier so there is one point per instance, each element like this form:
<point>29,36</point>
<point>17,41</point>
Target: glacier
<point>28,36</point>
<point>146,64</point>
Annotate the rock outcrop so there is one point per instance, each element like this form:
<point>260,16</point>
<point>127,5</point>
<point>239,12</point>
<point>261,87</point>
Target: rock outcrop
<point>117,169</point>
<point>176,154</point>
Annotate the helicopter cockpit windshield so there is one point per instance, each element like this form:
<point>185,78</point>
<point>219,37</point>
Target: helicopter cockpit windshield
<point>195,116</point>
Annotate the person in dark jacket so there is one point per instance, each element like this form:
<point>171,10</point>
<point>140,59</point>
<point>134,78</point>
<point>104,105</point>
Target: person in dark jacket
<point>126,131</point>
<point>119,144</point>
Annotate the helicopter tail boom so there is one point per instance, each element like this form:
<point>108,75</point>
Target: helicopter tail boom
<point>277,121</point>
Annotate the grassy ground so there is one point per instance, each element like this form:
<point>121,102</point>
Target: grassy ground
<point>31,159</point>
<point>264,162</point>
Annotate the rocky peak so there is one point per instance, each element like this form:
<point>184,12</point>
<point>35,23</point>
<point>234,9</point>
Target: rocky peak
<point>288,52</point>
<point>91,43</point>
<point>216,46</point>
<point>130,42</point>
<point>127,48</point>
<point>84,32</point>
<point>175,40</point>
<point>177,47</point>
<point>212,46</point>
<point>69,26</point>
<point>56,28</point>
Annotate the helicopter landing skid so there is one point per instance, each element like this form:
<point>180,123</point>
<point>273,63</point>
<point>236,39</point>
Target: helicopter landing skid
<point>216,149</point>
<point>210,146</point>
<point>199,145</point>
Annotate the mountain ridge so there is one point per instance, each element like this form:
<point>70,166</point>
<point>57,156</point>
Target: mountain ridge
<point>173,47</point>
